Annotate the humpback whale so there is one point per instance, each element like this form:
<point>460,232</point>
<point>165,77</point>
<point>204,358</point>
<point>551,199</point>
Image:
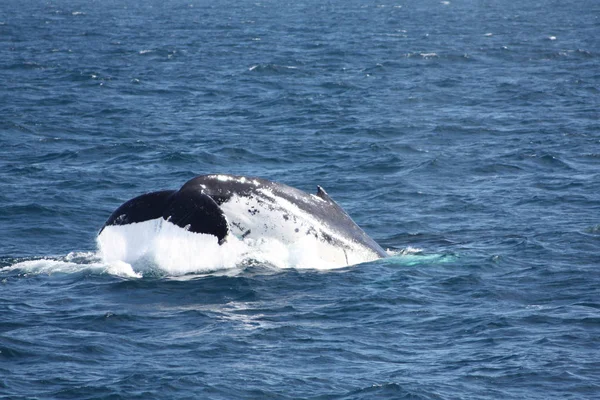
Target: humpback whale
<point>238,208</point>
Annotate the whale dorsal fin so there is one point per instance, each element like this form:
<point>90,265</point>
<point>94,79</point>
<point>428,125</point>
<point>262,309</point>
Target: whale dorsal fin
<point>343,222</point>
<point>323,194</point>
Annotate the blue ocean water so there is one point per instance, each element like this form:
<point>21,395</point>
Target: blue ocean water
<point>463,136</point>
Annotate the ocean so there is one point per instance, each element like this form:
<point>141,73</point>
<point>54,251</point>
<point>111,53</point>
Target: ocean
<point>463,136</point>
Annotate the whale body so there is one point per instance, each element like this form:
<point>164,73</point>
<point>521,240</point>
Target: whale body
<point>237,208</point>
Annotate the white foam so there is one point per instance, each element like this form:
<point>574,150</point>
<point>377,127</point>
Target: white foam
<point>73,263</point>
<point>122,269</point>
<point>160,245</point>
<point>47,266</point>
<point>180,252</point>
<point>303,254</point>
<point>157,246</point>
<point>127,243</point>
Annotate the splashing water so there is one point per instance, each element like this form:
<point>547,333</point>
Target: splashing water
<point>159,248</point>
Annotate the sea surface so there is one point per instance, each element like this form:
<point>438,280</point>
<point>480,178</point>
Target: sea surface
<point>462,135</point>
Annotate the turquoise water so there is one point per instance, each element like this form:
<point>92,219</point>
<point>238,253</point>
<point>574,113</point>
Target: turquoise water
<point>462,136</point>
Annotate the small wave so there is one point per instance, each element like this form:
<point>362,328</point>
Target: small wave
<point>497,168</point>
<point>553,160</point>
<point>72,263</point>
<point>411,256</point>
<point>593,230</point>
<point>25,65</point>
<point>389,390</point>
<point>422,55</point>
<point>272,68</point>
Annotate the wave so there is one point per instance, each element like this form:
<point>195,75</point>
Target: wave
<point>72,263</point>
<point>412,256</point>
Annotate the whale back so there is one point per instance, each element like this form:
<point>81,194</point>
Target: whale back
<point>338,227</point>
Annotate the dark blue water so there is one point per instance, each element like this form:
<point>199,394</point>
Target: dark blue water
<point>464,136</point>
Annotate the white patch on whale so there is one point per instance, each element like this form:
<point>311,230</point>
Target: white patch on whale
<point>285,222</point>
